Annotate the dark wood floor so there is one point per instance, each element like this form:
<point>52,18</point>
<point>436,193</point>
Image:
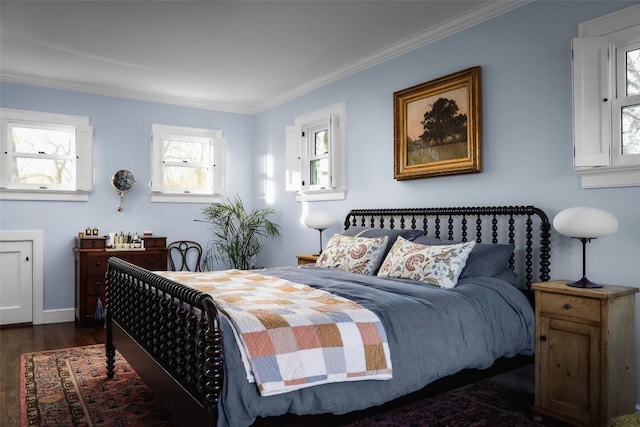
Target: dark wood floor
<point>18,340</point>
<point>26,339</point>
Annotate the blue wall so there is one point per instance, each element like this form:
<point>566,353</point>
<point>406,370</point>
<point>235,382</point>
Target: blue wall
<point>525,57</point>
<point>527,150</point>
<point>122,131</point>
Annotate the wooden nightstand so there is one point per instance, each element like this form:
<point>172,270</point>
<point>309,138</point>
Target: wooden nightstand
<point>585,352</point>
<point>306,259</point>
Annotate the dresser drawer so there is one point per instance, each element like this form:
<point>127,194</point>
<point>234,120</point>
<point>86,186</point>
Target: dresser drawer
<point>91,243</point>
<point>95,284</point>
<point>97,265</point>
<point>155,242</point>
<point>567,306</point>
<point>157,262</point>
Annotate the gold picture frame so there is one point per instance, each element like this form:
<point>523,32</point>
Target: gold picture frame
<point>438,127</point>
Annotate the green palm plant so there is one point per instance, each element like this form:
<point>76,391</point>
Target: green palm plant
<point>237,234</point>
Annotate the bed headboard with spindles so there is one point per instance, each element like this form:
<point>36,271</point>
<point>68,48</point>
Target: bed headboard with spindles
<point>526,227</point>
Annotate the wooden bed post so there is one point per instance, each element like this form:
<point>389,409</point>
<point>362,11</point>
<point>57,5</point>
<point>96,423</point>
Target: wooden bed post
<point>108,345</point>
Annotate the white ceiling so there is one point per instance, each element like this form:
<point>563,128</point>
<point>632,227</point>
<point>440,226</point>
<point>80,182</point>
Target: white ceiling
<point>238,56</point>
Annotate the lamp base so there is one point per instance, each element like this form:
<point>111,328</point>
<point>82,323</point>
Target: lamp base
<point>584,283</point>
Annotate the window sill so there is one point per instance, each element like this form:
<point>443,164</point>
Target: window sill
<point>35,195</point>
<point>609,176</point>
<point>321,195</point>
<point>185,198</point>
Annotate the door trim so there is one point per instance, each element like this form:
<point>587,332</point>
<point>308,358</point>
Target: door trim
<point>37,239</point>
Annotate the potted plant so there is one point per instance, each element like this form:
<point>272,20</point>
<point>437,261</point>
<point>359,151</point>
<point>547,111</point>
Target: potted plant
<point>237,234</point>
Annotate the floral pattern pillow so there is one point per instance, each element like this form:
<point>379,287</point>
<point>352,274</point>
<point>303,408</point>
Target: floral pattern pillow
<point>439,265</point>
<point>362,255</point>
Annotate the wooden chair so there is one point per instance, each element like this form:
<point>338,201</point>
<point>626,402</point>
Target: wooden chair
<point>184,255</point>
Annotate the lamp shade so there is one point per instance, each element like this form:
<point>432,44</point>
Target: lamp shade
<point>319,220</point>
<point>584,222</point>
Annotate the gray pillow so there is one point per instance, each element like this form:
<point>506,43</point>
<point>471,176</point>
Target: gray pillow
<point>487,260</point>
<point>431,241</point>
<point>509,276</point>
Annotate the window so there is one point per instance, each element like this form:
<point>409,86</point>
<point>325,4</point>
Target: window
<point>187,164</point>
<point>606,85</point>
<point>626,103</point>
<point>315,155</point>
<point>45,156</point>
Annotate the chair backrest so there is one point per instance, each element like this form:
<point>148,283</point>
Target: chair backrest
<point>184,255</point>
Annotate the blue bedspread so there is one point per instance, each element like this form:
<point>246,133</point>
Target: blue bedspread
<point>432,333</point>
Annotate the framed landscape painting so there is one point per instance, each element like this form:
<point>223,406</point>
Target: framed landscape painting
<point>438,127</point>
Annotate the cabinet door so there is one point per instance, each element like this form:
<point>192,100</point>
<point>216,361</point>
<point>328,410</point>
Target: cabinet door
<point>570,369</point>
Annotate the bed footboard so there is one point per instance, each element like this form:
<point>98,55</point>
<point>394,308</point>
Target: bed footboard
<point>171,336</point>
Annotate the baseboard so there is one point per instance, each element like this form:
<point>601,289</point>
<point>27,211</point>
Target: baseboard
<point>56,316</point>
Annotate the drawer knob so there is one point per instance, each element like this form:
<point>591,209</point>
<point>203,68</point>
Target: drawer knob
<point>543,337</point>
<point>567,306</point>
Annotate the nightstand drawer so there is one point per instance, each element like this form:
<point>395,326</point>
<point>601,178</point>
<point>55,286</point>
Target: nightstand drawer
<point>567,306</point>
<point>307,259</point>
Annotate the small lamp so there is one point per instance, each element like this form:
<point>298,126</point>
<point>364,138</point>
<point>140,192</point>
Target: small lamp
<point>320,221</point>
<point>585,224</point>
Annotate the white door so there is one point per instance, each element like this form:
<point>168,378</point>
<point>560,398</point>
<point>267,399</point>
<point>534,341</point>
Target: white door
<point>16,282</point>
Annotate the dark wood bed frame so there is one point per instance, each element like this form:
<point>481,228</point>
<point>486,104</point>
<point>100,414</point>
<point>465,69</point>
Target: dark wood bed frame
<point>170,334</point>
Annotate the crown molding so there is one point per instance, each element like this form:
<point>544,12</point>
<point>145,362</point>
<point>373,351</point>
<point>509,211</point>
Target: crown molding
<point>480,14</point>
<point>126,94</point>
<point>447,28</point>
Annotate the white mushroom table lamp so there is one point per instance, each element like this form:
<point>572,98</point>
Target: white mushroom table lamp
<point>319,221</point>
<point>585,224</point>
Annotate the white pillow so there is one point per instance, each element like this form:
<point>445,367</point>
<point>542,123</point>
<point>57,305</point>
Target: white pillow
<point>438,265</point>
<point>361,255</point>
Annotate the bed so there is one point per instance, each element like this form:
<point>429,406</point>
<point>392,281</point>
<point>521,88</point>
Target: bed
<point>183,344</point>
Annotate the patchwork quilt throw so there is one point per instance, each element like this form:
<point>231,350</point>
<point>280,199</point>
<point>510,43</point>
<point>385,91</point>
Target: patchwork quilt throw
<point>293,336</point>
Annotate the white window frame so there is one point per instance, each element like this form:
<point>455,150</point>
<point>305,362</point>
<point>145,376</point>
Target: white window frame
<point>299,154</point>
<point>83,151</point>
<point>597,104</point>
<point>218,165</point>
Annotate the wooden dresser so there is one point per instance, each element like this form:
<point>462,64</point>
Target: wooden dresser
<point>585,352</point>
<point>91,256</point>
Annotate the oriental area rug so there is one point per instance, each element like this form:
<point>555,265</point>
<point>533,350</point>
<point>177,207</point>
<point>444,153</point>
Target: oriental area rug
<point>69,387</point>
